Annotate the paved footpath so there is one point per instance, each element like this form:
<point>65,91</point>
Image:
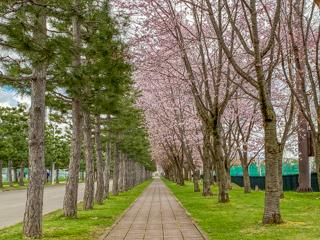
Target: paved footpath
<point>155,215</point>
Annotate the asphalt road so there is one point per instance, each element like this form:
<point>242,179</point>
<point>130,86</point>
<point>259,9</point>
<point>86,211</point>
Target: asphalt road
<point>12,203</point>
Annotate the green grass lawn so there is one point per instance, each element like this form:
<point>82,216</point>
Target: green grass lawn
<point>16,186</point>
<point>89,224</point>
<point>241,218</point>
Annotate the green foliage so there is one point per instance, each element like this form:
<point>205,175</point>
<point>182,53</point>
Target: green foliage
<point>57,142</point>
<point>103,81</point>
<point>14,134</point>
<point>128,130</point>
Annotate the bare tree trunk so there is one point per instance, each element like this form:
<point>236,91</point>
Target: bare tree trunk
<point>185,173</point>
<point>115,187</point>
<point>15,175</point>
<point>71,195</point>
<point>304,174</point>
<point>107,170</point>
<point>57,176</point>
<point>246,178</point>
<point>281,192</point>
<point>121,173</point>
<point>1,180</point>
<point>206,180</point>
<point>10,173</point>
<point>222,178</point>
<point>272,154</point>
<point>100,163</point>
<point>127,175</point>
<point>88,199</point>
<point>32,222</point>
<point>179,173</point>
<point>317,157</point>
<point>196,176</point>
<point>206,159</point>
<point>21,176</point>
<point>220,166</point>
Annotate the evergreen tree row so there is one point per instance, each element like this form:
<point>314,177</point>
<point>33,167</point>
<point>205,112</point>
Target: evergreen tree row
<point>68,56</point>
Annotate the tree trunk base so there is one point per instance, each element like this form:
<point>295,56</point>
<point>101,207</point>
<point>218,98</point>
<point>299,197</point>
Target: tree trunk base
<point>282,195</point>
<point>70,214</point>
<point>224,197</point>
<point>274,218</point>
<point>207,194</point>
<point>196,189</point>
<point>304,189</point>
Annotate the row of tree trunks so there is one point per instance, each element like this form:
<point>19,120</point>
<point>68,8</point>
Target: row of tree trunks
<point>19,178</point>
<point>130,174</point>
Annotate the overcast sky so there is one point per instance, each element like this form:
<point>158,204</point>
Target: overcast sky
<point>9,97</point>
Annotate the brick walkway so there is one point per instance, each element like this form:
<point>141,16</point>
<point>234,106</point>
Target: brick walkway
<point>155,215</point>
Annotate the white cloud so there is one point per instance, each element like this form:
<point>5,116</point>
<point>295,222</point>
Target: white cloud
<point>10,98</point>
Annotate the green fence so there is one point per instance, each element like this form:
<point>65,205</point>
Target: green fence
<point>290,182</point>
<point>260,170</point>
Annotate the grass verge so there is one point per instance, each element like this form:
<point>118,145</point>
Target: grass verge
<point>241,218</point>
<point>89,224</point>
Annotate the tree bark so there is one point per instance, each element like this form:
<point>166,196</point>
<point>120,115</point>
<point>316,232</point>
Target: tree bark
<point>15,175</point>
<point>115,186</point>
<point>196,187</point>
<point>107,170</point>
<point>71,195</point>
<point>272,154</point>
<point>127,175</point>
<point>281,193</point>
<point>317,157</point>
<point>100,163</point>
<point>221,171</point>
<point>32,222</point>
<point>10,173</point>
<point>21,176</point>
<point>121,173</point>
<point>88,199</point>
<point>57,176</point>
<point>246,179</point>
<point>304,173</point>
<point>206,171</point>
<point>1,180</point>
<point>179,174</point>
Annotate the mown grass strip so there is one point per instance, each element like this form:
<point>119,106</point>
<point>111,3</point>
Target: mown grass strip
<point>241,218</point>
